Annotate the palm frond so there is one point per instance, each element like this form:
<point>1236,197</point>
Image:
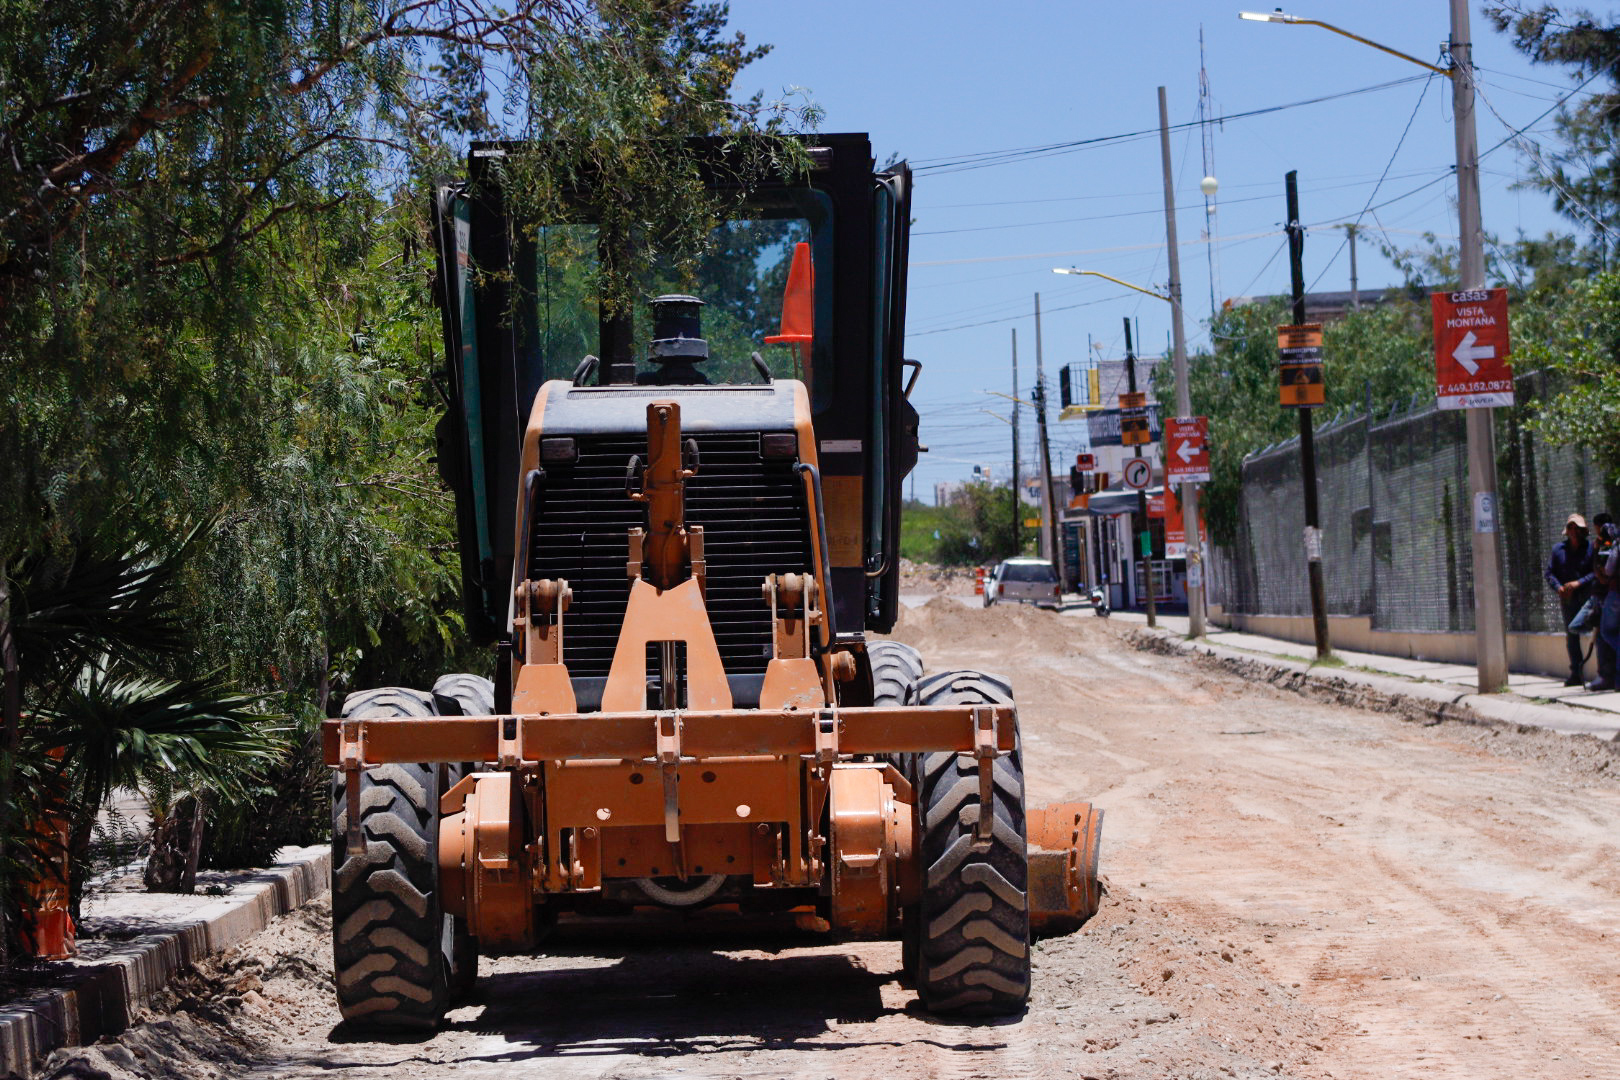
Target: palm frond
<point>116,723</point>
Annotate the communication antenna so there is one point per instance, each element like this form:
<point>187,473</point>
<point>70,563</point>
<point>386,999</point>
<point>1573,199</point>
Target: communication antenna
<point>1206,128</point>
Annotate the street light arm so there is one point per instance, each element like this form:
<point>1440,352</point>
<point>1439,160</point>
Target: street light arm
<point>1295,20</point>
<point>1010,397</point>
<point>1381,48</point>
<point>997,415</point>
<point>1115,280</point>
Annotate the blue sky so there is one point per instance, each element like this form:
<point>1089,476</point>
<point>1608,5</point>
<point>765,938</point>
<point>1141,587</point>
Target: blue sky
<point>937,82</point>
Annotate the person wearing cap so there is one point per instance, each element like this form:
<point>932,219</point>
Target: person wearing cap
<point>1570,573</point>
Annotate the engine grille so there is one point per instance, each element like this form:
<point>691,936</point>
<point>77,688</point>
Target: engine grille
<point>754,523</point>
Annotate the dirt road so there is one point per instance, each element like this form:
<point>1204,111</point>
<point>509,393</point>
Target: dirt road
<point>1295,889</point>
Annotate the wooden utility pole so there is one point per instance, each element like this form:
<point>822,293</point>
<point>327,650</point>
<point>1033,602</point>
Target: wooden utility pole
<point>1307,436</point>
<point>1141,495</point>
<point>1490,623</point>
<point>1053,538</point>
<point>1017,477</point>
<point>1189,492</point>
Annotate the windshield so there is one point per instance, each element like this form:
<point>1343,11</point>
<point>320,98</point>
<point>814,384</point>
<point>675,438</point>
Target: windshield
<point>1027,572</point>
<point>741,277</point>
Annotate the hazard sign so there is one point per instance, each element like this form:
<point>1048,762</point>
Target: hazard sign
<point>1300,371</point>
<point>1186,450</point>
<point>1471,349</point>
<point>1138,473</point>
<point>1133,420</point>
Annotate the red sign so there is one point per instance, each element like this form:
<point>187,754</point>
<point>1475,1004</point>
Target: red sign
<point>1186,450</point>
<point>1085,462</point>
<point>1471,349</point>
<point>1175,527</point>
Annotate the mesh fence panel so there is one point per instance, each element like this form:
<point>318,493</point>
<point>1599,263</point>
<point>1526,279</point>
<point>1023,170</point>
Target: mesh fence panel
<point>1397,519</point>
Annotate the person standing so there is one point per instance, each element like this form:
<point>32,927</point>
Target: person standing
<point>1605,604</point>
<point>1570,572</point>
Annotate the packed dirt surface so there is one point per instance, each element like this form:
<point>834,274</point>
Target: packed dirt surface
<point>1295,889</point>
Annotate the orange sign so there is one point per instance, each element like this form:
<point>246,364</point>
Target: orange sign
<point>1133,420</point>
<point>1300,371</point>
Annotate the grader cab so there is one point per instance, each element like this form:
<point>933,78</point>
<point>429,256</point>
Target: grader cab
<point>676,565</point>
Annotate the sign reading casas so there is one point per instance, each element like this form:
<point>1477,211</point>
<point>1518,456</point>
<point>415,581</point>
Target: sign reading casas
<point>1471,349</point>
<point>1299,349</point>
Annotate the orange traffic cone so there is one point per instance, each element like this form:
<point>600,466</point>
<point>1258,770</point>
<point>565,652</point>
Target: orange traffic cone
<point>798,310</point>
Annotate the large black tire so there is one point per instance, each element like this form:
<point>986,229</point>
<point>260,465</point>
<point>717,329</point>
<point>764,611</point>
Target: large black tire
<point>896,669</point>
<point>972,947</point>
<point>462,694</point>
<point>391,941</point>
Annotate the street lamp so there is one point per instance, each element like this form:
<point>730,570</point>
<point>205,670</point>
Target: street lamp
<point>1489,624</point>
<point>1109,277</point>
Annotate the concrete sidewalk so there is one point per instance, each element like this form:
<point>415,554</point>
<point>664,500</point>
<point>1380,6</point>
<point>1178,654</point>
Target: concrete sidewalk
<point>1532,699</point>
<point>134,943</point>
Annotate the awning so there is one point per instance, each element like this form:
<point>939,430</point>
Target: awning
<point>1108,503</point>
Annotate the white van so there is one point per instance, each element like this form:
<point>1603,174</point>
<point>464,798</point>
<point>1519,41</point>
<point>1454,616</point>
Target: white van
<point>1028,581</point>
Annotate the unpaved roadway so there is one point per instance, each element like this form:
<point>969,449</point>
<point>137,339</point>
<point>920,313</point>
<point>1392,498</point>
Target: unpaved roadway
<point>1294,889</point>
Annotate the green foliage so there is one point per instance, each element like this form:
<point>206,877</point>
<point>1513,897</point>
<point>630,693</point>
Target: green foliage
<point>1577,341</point>
<point>976,529</point>
<point>1385,350</point>
<point>1582,174</point>
<point>215,306</point>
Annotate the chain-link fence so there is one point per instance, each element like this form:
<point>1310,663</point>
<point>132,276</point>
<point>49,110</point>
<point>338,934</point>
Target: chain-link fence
<point>1396,539</point>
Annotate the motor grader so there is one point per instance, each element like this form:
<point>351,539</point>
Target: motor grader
<point>676,566</point>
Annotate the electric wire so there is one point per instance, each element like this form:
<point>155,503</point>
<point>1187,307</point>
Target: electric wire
<point>989,158</point>
<point>1422,94</point>
<point>1540,165</point>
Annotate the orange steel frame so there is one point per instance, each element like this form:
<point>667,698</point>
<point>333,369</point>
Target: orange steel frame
<point>567,801</point>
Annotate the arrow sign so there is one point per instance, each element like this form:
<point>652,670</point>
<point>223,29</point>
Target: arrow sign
<point>1469,354</point>
<point>1187,450</point>
<point>1471,349</point>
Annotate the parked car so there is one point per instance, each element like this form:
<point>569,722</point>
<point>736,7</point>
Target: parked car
<point>1028,581</point>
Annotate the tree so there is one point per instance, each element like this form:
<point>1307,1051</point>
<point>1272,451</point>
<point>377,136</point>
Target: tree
<point>1583,174</point>
<point>215,305</point>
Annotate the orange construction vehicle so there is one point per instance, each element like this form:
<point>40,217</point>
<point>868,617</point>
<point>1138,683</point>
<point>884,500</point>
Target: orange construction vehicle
<point>677,565</point>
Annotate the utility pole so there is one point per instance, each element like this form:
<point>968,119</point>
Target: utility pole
<point>1307,438</point>
<point>1490,630</point>
<point>1017,475</point>
<point>1056,548</point>
<point>1350,232</point>
<point>1189,492</point>
<point>1141,494</point>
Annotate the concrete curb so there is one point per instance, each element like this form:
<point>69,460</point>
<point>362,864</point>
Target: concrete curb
<point>103,997</point>
<point>1350,687</point>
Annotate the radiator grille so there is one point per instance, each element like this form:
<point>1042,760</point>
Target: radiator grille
<point>754,523</point>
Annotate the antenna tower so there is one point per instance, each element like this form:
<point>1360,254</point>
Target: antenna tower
<point>1206,128</point>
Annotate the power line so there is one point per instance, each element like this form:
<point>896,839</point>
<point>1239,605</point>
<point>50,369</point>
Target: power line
<point>1422,94</point>
<point>987,158</point>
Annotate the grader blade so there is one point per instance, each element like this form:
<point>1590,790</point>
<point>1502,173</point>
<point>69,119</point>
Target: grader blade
<point>1064,890</point>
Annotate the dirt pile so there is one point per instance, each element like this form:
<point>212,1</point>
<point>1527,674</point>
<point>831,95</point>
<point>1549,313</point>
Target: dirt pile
<point>927,578</point>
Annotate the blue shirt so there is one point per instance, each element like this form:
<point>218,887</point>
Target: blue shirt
<point>1569,563</point>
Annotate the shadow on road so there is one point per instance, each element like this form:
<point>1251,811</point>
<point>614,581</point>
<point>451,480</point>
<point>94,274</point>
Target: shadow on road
<point>675,998</point>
